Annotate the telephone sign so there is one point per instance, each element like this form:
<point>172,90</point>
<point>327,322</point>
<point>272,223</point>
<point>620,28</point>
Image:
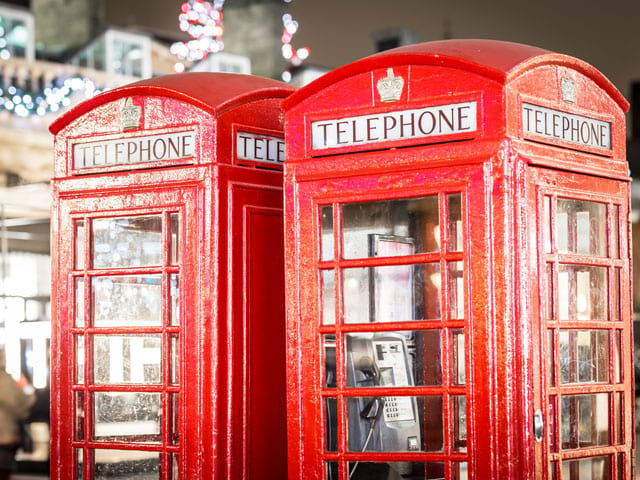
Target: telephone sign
<point>458,268</point>
<point>166,236</point>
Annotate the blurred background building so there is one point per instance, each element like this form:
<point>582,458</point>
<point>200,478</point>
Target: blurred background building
<point>56,53</point>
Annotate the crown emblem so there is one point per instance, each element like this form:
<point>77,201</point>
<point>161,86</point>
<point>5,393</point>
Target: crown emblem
<point>130,114</point>
<point>568,88</point>
<point>390,87</point>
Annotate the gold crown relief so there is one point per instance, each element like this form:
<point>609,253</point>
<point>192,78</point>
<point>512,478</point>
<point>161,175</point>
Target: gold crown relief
<point>390,87</point>
<point>130,114</point>
<point>568,88</point>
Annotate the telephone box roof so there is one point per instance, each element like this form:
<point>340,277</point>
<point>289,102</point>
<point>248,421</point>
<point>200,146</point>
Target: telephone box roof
<point>498,60</point>
<point>211,92</point>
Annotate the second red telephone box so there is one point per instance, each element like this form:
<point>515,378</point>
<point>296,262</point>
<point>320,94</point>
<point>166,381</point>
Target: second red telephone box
<point>458,296</point>
<point>168,318</point>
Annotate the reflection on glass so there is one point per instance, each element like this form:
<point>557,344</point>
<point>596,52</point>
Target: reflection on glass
<point>326,240</point>
<point>329,342</point>
<point>175,466</point>
<point>127,416</point>
<point>79,463</point>
<point>584,356</point>
<point>618,409</point>
<point>174,290</point>
<point>174,359</point>
<point>456,290</point>
<point>553,436</point>
<point>331,424</point>
<point>79,358</point>
<point>127,241</point>
<point>78,433</point>
<point>585,420</point>
<point>548,276</point>
<point>79,242</point>
<point>125,464</point>
<point>416,218</point>
<point>553,466</point>
<point>328,297</point>
<point>546,222</point>
<point>459,422</point>
<point>582,292</point>
<point>132,300</point>
<point>551,371</point>
<point>458,374</point>
<point>460,471</point>
<point>393,424</point>
<point>454,223</point>
<point>174,220</point>
<point>394,359</point>
<point>174,416</point>
<point>591,468</point>
<point>615,304</point>
<point>127,359</point>
<point>581,227</point>
<point>393,293</point>
<point>615,226</point>
<point>333,471</point>
<point>617,352</point>
<point>79,320</point>
<point>396,470</point>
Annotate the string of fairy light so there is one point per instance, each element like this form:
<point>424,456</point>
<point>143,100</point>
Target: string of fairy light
<point>200,19</point>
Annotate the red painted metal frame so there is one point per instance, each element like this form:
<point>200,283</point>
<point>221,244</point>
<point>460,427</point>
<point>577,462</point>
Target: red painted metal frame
<point>505,374</point>
<point>221,268</point>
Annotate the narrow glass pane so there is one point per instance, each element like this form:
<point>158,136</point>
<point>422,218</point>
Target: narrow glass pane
<point>615,301</point>
<point>454,222</point>
<point>79,317</point>
<point>553,467</point>
<point>174,290</point>
<point>551,371</point>
<point>591,468</point>
<point>396,470</point>
<point>585,420</point>
<point>328,297</point>
<point>394,359</point>
<point>174,359</point>
<point>79,242</point>
<point>581,227</point>
<point>79,339</point>
<point>326,234</point>
<point>460,471</point>
<point>618,416</point>
<point>548,276</point>
<point>552,419</point>
<point>584,356</point>
<point>79,464</point>
<point>621,467</point>
<point>393,424</point>
<point>174,220</point>
<point>78,433</point>
<point>546,222</point>
<point>174,417</point>
<point>127,359</point>
<point>111,464</point>
<point>456,290</point>
<point>617,352</point>
<point>582,292</point>
<point>329,342</point>
<point>333,471</point>
<point>131,300</point>
<point>128,416</point>
<point>412,223</point>
<point>127,241</point>
<point>331,424</point>
<point>458,373</point>
<point>615,229</point>
<point>459,404</point>
<point>396,293</point>
<point>174,466</point>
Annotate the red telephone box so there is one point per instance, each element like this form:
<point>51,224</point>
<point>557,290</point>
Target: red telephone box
<point>168,349</point>
<point>458,283</point>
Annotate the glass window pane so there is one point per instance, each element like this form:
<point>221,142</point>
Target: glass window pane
<point>591,468</point>
<point>111,464</point>
<point>552,418</point>
<point>456,290</point>
<point>174,220</point>
<point>394,359</point>
<point>127,359</point>
<point>615,228</point>
<point>582,292</point>
<point>617,352</point>
<point>551,371</point>
<point>548,275</point>
<point>127,416</point>
<point>78,433</point>
<point>174,290</point>
<point>79,242</point>
<point>333,472</point>
<point>127,241</point>
<point>416,220</point>
<point>175,359</point>
<point>454,222</point>
<point>581,227</point>
<point>132,300</point>
<point>396,293</point>
<point>331,424</point>
<point>460,471</point>
<point>79,463</point>
<point>174,416</point>
<point>330,360</point>
<point>393,424</point>
<point>328,297</point>
<point>618,415</point>
<point>175,466</point>
<point>79,317</point>
<point>459,404</point>
<point>584,356</point>
<point>326,222</point>
<point>396,470</point>
<point>585,420</point>
<point>79,358</point>
<point>547,224</point>
<point>458,373</point>
<point>615,301</point>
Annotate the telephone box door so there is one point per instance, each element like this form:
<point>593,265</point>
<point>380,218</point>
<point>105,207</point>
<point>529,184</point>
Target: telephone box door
<point>124,273</point>
<point>581,320</point>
